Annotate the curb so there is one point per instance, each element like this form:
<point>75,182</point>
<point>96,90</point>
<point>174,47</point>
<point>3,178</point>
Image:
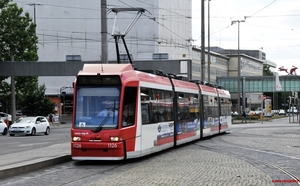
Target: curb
<point>33,166</point>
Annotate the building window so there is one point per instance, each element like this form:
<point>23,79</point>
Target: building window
<point>160,56</point>
<point>124,57</point>
<point>183,67</point>
<point>73,57</point>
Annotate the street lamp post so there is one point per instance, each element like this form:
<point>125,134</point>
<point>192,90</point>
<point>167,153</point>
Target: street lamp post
<point>239,63</point>
<point>34,15</point>
<point>244,93</point>
<point>104,45</point>
<point>208,43</point>
<point>250,109</point>
<point>262,98</point>
<point>202,42</point>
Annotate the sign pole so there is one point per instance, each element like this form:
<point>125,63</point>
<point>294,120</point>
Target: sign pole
<point>261,108</point>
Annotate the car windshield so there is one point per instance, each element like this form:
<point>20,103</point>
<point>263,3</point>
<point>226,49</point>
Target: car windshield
<point>26,120</point>
<point>97,107</point>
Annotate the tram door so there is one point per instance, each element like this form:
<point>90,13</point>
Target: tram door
<point>211,115</point>
<point>216,115</point>
<point>128,123</point>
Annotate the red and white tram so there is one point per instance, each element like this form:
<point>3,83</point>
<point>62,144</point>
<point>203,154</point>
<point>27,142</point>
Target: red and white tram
<point>122,113</point>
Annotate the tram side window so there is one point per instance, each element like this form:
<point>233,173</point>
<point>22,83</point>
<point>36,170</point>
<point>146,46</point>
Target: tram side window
<point>226,105</point>
<point>227,110</point>
<point>194,107</point>
<point>184,112</point>
<point>167,113</point>
<point>160,104</point>
<point>188,106</point>
<point>154,112</point>
<point>208,108</point>
<point>145,113</point>
<point>215,107</point>
<point>129,106</point>
<point>224,108</point>
<point>145,98</point>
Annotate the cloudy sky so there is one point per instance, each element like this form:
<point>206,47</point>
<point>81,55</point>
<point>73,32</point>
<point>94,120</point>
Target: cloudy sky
<point>272,26</point>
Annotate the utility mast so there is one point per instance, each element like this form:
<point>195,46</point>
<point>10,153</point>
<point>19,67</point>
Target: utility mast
<point>104,47</point>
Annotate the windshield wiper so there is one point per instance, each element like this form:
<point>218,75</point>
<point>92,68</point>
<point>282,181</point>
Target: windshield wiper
<point>99,128</point>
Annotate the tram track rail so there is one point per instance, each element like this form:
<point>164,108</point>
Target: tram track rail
<point>282,167</point>
<point>295,179</point>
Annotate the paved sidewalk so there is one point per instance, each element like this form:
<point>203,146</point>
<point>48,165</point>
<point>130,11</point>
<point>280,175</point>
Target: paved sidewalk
<point>201,166</point>
<point>26,161</point>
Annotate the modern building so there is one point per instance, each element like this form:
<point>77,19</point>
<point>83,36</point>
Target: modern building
<point>72,32</point>
<point>224,63</point>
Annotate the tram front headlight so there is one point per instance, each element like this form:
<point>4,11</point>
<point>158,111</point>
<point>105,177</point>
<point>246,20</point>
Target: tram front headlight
<point>115,138</point>
<point>76,138</point>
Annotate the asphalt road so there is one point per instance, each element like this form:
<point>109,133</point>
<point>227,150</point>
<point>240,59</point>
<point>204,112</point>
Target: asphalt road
<point>19,143</point>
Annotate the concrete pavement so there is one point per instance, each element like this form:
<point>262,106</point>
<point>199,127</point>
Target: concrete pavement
<point>211,166</point>
<point>26,161</point>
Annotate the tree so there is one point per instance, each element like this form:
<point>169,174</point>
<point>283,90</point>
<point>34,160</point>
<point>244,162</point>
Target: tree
<point>18,42</point>
<point>35,103</point>
<point>17,34</point>
<point>267,71</point>
<point>4,95</point>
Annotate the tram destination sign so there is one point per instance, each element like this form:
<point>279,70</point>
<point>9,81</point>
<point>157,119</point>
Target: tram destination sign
<point>98,80</point>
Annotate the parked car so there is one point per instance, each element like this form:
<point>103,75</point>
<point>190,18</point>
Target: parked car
<point>292,110</point>
<point>281,112</point>
<point>30,126</point>
<point>251,113</point>
<point>257,112</point>
<point>6,118</point>
<point>3,127</point>
<point>235,113</point>
<point>275,112</point>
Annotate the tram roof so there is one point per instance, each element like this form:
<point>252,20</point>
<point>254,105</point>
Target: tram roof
<point>94,69</point>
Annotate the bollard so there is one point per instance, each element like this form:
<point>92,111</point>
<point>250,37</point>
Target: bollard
<point>260,116</point>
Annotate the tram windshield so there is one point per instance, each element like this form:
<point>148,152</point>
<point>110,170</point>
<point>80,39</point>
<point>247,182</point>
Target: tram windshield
<point>97,107</point>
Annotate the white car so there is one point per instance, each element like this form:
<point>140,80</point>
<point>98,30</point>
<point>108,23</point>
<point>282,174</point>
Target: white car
<point>292,110</point>
<point>235,113</point>
<point>3,127</point>
<point>30,126</point>
<point>281,112</point>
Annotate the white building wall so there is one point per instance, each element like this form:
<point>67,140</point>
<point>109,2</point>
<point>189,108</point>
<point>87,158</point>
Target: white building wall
<point>175,31</point>
<point>74,28</point>
<point>66,27</point>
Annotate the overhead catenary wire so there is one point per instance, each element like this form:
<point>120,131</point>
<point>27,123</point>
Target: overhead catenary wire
<point>92,9</point>
<point>173,17</point>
